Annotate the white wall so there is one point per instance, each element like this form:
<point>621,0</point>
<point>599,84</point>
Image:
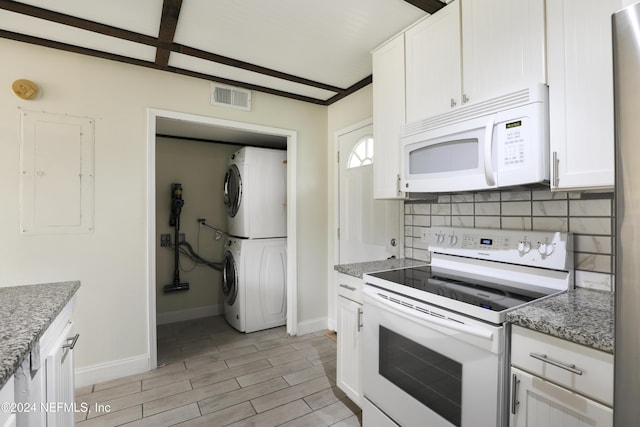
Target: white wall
<point>342,114</point>
<point>112,262</point>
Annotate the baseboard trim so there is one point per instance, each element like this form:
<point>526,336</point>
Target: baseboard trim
<point>189,314</point>
<point>313,325</point>
<point>111,370</point>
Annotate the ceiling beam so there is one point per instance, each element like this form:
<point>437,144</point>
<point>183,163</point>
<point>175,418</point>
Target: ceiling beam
<point>161,43</point>
<point>354,88</point>
<point>429,6</point>
<point>125,59</point>
<point>72,21</point>
<point>168,24</point>
<point>202,54</point>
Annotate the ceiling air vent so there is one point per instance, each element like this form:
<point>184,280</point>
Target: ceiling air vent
<point>230,96</point>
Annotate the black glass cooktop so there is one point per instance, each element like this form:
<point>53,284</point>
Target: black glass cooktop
<point>483,294</point>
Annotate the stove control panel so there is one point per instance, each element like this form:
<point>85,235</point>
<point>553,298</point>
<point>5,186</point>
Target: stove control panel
<point>535,248</point>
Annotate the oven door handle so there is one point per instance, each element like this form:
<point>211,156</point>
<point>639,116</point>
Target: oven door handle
<point>413,314</point>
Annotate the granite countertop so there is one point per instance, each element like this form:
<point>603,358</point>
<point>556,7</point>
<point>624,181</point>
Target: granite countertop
<point>359,268</point>
<point>582,316</point>
<point>25,313</point>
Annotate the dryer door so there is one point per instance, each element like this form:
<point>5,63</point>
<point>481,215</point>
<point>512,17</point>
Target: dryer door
<point>232,190</point>
<point>229,279</point>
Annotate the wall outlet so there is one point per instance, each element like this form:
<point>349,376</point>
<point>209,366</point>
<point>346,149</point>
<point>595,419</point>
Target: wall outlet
<point>166,240</point>
<point>202,220</point>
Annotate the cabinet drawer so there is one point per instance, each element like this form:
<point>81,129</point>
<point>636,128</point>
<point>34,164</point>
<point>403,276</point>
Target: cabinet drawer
<point>540,354</point>
<point>350,287</point>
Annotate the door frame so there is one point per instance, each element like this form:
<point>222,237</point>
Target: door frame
<point>292,283</point>
<point>332,275</point>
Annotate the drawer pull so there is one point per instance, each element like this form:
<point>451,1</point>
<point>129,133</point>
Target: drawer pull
<point>359,320</point>
<point>351,288</point>
<point>565,366</point>
<point>73,340</point>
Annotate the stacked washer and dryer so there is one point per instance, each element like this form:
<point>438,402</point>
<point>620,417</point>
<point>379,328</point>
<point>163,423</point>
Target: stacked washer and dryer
<point>254,282</point>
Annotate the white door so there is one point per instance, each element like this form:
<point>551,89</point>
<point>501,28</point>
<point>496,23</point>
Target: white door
<point>369,229</point>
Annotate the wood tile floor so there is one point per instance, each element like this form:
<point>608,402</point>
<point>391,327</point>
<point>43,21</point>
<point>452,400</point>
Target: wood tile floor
<point>212,375</point>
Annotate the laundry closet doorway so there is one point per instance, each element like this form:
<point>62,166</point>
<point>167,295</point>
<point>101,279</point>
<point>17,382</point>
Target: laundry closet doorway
<point>227,131</point>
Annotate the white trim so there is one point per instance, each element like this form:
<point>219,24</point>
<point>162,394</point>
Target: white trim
<point>292,267</point>
<point>111,370</point>
<point>313,325</point>
<point>332,275</point>
<point>189,314</point>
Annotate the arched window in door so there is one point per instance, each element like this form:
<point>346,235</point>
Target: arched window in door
<point>362,153</point>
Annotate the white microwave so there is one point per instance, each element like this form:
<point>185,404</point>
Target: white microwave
<point>501,142</point>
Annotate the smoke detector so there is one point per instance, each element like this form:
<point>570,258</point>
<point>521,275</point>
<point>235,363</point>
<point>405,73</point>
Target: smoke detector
<point>230,96</point>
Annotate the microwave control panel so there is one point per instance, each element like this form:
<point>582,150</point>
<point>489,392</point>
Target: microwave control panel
<point>512,136</point>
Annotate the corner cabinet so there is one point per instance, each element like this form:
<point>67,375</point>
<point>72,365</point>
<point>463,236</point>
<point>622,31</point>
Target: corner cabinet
<point>349,351</point>
<point>580,70</point>
<point>558,383</point>
<point>388,117</point>
<point>471,51</point>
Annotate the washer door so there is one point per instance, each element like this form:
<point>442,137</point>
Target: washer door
<point>232,190</point>
<point>229,279</point>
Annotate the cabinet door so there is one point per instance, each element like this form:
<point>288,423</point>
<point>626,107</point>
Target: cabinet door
<point>581,93</point>
<point>388,117</point>
<point>503,46</point>
<point>543,404</point>
<point>59,379</point>
<point>7,395</point>
<point>348,369</point>
<point>433,64</point>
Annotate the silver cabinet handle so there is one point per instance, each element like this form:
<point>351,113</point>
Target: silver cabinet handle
<point>351,288</point>
<point>554,165</point>
<point>453,102</point>
<point>465,98</point>
<point>359,319</point>
<point>73,340</point>
<point>514,393</point>
<point>566,366</point>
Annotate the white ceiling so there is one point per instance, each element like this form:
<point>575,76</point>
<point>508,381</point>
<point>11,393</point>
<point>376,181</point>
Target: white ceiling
<point>326,41</point>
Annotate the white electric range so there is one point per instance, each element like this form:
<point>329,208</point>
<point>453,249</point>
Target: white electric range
<point>434,336</point>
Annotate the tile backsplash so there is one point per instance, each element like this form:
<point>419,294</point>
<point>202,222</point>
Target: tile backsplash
<point>589,216</point>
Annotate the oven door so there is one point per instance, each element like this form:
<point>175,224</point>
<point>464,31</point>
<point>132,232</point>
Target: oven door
<point>425,366</point>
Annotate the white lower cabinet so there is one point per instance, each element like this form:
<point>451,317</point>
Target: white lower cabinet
<point>7,414</point>
<point>44,383</point>
<point>539,403</point>
<point>349,351</point>
<point>558,383</point>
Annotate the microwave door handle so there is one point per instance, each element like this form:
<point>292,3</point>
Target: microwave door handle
<point>488,152</point>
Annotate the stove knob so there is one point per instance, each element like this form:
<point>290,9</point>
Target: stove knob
<point>440,238</point>
<point>524,247</point>
<point>545,249</point>
<point>453,239</point>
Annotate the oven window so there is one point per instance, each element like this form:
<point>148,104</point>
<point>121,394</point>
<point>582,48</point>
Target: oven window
<point>431,378</point>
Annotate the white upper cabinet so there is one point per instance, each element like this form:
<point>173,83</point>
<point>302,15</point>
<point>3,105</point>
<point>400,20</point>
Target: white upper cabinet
<point>581,93</point>
<point>470,51</point>
<point>503,46</point>
<point>433,67</point>
<point>388,117</point>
